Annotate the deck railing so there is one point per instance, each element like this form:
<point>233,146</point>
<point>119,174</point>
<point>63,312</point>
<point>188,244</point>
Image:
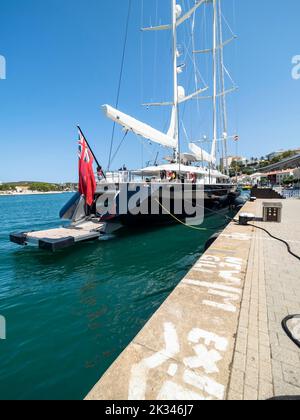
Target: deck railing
<point>129,176</point>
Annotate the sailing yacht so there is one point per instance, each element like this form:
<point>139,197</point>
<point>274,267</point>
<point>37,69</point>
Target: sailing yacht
<point>186,181</point>
<point>196,170</point>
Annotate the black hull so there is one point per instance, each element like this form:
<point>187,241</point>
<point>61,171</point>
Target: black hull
<point>216,199</point>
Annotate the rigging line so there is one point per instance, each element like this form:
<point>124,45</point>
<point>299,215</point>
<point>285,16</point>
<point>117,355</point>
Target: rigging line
<point>119,147</point>
<point>192,56</point>
<point>226,22</point>
<point>235,101</point>
<point>194,62</point>
<point>221,146</point>
<point>142,154</point>
<point>187,33</point>
<point>205,29</point>
<point>193,24</point>
<point>187,47</point>
<point>142,54</point>
<point>155,69</point>
<point>120,78</point>
<point>228,74</point>
<point>189,55</point>
<point>185,132</point>
<point>186,102</point>
<point>223,99</point>
<point>151,153</point>
<point>236,163</point>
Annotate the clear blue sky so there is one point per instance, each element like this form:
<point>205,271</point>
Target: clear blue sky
<point>63,60</point>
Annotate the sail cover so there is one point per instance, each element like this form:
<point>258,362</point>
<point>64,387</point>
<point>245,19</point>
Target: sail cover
<point>201,154</point>
<point>139,128</point>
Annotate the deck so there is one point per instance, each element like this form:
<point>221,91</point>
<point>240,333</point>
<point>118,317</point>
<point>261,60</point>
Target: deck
<point>60,238</point>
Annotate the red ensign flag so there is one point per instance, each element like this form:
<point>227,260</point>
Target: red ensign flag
<point>87,181</point>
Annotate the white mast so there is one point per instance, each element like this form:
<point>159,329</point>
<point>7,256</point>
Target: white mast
<point>224,104</point>
<point>175,75</point>
<point>215,87</point>
<point>219,44</point>
<point>171,138</point>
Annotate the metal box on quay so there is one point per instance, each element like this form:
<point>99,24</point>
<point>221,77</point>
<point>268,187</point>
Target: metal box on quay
<point>272,212</point>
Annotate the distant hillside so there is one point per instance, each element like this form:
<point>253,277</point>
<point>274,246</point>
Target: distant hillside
<point>37,186</point>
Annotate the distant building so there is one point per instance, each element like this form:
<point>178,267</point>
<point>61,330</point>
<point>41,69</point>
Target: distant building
<point>22,189</point>
<point>243,179</point>
<point>280,152</point>
<point>297,174</point>
<point>231,159</point>
<point>273,155</point>
<point>257,177</point>
<point>278,177</point>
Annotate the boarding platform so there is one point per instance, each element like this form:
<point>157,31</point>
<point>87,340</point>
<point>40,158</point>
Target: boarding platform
<point>64,237</point>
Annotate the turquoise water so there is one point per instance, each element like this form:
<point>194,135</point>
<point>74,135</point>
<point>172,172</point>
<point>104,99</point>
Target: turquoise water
<point>70,314</point>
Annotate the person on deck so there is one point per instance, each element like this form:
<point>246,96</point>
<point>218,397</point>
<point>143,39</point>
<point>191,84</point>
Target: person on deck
<point>193,178</point>
<point>100,174</point>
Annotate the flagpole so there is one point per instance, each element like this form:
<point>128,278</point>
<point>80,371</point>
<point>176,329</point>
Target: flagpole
<point>91,150</point>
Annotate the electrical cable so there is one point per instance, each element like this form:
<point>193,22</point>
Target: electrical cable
<point>277,239</point>
<point>231,220</point>
<point>287,330</point>
<point>273,237</point>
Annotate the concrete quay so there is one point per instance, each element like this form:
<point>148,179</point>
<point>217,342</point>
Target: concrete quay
<point>218,335</point>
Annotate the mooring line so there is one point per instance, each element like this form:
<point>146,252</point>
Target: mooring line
<point>185,224</point>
